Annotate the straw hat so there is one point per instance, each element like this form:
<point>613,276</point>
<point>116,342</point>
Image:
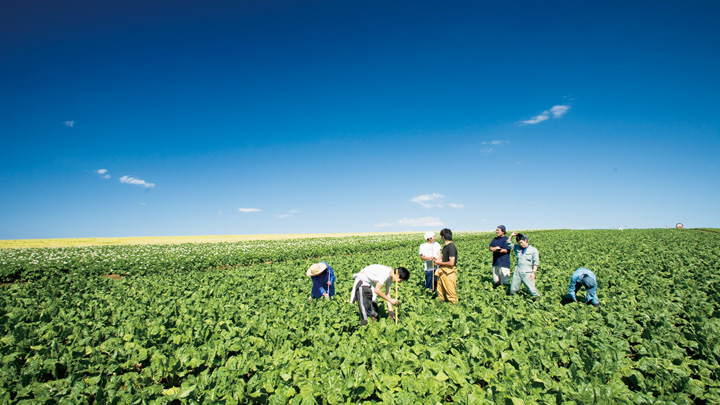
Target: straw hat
<point>316,269</point>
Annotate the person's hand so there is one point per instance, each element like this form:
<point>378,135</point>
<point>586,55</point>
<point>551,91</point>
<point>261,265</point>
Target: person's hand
<point>329,283</point>
<point>391,315</point>
<point>327,297</point>
<point>394,301</point>
<point>532,276</point>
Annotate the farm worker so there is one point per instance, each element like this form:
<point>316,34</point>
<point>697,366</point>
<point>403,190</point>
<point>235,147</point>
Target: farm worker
<point>528,260</point>
<point>323,278</point>
<point>501,257</point>
<point>429,251</point>
<point>366,296</point>
<point>447,269</point>
<point>583,277</point>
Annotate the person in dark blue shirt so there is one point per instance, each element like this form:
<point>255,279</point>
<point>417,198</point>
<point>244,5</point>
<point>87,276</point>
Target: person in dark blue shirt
<point>583,277</point>
<point>501,257</point>
<point>323,278</point>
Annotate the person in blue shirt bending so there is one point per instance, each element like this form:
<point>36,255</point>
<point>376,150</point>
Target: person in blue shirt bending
<point>323,278</point>
<point>583,277</point>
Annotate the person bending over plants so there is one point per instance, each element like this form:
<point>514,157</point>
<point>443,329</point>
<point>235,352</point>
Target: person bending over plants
<point>323,278</point>
<point>447,269</point>
<point>528,260</point>
<point>583,277</point>
<point>366,296</point>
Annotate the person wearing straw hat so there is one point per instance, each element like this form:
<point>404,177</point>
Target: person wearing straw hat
<point>323,278</point>
<point>429,251</point>
<point>365,295</point>
<point>501,257</point>
<point>528,260</point>
<point>583,277</point>
<point>447,269</point>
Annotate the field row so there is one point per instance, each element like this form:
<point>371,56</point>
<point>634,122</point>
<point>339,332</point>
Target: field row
<point>38,263</point>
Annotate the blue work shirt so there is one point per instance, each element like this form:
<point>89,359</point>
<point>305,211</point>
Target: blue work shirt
<point>576,282</point>
<point>320,283</point>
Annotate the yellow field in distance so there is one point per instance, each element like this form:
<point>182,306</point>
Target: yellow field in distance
<point>158,240</point>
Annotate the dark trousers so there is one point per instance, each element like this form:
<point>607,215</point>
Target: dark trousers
<point>429,276</point>
<point>368,308</point>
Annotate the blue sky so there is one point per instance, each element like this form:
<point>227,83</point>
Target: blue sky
<point>159,118</point>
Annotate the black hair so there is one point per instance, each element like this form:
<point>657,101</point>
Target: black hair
<point>446,234</point>
<point>403,273</point>
<point>520,237</point>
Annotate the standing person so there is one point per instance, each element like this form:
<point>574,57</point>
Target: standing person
<point>363,292</point>
<point>583,277</point>
<point>447,269</point>
<point>323,278</point>
<point>429,251</point>
<point>528,260</point>
<point>501,257</point>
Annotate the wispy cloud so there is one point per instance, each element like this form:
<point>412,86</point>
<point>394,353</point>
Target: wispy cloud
<point>103,173</point>
<point>132,180</point>
<point>556,111</point>
<point>69,124</point>
<point>494,142</point>
<point>453,205</point>
<point>283,216</point>
<point>424,221</point>
<point>412,222</point>
<point>249,209</point>
<point>559,110</point>
<point>294,211</point>
<point>426,200</point>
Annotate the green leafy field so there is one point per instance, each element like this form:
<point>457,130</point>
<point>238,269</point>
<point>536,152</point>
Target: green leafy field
<point>231,323</point>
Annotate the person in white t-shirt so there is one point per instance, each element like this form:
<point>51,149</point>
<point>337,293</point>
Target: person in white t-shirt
<point>429,251</point>
<point>376,276</point>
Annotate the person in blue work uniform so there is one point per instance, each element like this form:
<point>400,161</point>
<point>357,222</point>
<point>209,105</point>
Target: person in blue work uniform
<point>583,277</point>
<point>323,278</point>
<point>528,260</point>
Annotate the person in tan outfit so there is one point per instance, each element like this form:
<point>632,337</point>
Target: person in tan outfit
<point>447,271</point>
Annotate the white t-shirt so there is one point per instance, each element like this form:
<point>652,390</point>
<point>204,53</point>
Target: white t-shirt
<point>376,273</point>
<point>429,250</point>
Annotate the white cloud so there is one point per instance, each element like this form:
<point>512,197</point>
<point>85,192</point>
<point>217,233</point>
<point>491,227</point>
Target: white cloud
<point>486,151</point>
<point>559,110</point>
<point>538,118</point>
<point>453,205</point>
<point>249,209</point>
<point>294,211</point>
<point>424,221</point>
<point>283,216</point>
<point>69,124</point>
<point>131,180</point>
<point>495,142</point>
<point>425,200</point>
<point>556,111</point>
<point>103,173</point>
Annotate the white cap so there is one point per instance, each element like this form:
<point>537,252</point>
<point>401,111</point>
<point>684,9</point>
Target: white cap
<point>429,234</point>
